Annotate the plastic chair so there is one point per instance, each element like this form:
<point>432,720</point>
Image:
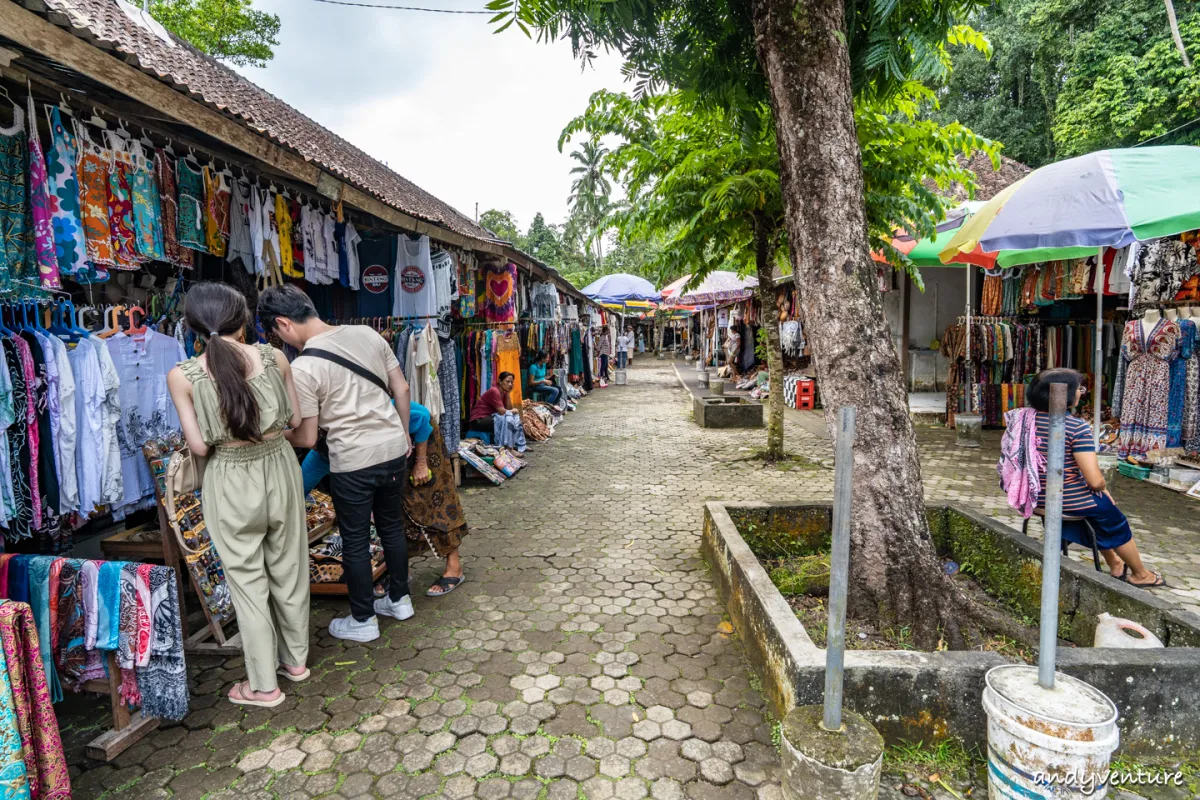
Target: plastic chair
<point>1066,544</point>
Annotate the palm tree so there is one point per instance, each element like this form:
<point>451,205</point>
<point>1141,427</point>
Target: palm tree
<point>590,192</point>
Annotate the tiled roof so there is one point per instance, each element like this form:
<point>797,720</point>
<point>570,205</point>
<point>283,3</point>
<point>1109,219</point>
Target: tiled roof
<point>207,80</point>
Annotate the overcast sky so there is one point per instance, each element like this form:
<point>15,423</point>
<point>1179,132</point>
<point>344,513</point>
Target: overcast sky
<point>468,115</point>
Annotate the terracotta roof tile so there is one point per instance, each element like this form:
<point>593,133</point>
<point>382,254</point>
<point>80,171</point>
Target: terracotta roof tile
<point>214,84</point>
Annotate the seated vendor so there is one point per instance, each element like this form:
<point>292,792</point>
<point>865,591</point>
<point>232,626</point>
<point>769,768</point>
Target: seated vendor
<point>539,384</point>
<point>1085,492</point>
<point>495,400</point>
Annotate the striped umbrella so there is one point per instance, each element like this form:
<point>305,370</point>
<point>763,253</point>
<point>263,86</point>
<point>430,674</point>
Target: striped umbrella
<point>1110,198</point>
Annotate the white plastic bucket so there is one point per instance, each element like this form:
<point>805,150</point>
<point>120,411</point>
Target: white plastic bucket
<point>716,386</point>
<point>620,376</point>
<point>702,377</point>
<point>1047,743</point>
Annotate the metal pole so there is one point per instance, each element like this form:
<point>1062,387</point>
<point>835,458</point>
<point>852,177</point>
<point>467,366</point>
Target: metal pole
<point>967,353</point>
<point>1056,449</point>
<point>839,569</point>
<point>1098,358</point>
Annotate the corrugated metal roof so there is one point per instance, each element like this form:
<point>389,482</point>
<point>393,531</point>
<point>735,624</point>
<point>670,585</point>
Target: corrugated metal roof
<point>208,81</point>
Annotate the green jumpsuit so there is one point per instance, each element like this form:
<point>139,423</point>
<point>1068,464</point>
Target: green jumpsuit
<point>253,502</point>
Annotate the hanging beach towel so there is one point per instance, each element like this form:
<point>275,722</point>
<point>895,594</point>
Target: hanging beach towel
<point>499,283</point>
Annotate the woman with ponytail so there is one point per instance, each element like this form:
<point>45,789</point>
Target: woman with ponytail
<point>234,402</point>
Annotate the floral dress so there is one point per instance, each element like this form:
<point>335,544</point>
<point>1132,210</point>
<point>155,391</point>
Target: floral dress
<point>1177,401</point>
<point>1143,388</point>
<point>42,211</point>
<point>147,209</point>
<point>61,158</point>
<point>120,213</point>
<point>93,168</point>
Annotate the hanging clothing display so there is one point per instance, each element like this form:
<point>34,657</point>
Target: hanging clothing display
<point>1160,269</point>
<point>164,175</point>
<point>444,281</point>
<point>189,185</point>
<point>216,212</point>
<point>69,244</point>
<point>450,424</point>
<point>94,164</point>
<point>41,208</point>
<point>142,362</point>
<point>423,359</point>
<point>283,227</point>
<point>1177,397</point>
<point>500,289</point>
<point>147,209</point>
<point>120,210</point>
<point>466,287</point>
<point>45,765</point>
<point>1144,384</point>
<point>240,246</point>
<point>414,296</point>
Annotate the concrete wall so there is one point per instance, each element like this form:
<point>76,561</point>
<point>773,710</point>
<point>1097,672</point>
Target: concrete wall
<point>943,300</point>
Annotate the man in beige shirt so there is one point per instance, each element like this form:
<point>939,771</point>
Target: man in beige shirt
<point>350,384</point>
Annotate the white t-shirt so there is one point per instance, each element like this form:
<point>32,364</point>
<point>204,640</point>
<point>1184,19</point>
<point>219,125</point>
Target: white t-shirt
<point>623,343</point>
<point>413,295</point>
<point>352,240</point>
<point>443,267</point>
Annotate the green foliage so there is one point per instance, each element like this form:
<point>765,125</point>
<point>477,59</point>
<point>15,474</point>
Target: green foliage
<point>230,30</point>
<point>503,224</point>
<point>693,181</point>
<point>707,47</point>
<point>1072,76</point>
<point>699,180</point>
<point>901,152</point>
<point>590,193</point>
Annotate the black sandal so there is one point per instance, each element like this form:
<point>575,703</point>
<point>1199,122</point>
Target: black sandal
<point>1158,582</point>
<point>448,585</point>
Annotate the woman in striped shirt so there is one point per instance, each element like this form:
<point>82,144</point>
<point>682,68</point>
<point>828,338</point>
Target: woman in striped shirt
<point>1085,492</point>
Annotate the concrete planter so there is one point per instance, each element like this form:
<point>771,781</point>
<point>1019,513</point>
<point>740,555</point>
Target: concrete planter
<point>719,411</point>
<point>929,696</point>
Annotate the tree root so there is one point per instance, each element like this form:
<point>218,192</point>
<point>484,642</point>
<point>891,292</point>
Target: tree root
<point>960,613</point>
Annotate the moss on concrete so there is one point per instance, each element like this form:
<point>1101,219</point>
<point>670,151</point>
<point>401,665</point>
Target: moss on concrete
<point>857,744</point>
<point>785,531</point>
<point>803,575</point>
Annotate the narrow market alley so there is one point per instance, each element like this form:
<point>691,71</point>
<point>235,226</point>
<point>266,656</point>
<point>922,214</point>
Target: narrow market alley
<point>585,652</point>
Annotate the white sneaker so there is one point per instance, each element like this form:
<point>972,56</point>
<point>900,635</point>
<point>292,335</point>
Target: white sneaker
<point>352,630</point>
<point>397,609</point>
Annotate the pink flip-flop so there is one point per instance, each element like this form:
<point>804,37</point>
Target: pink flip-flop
<point>237,698</point>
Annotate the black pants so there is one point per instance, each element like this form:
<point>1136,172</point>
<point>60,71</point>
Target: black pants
<point>356,495</point>
<point>604,366</point>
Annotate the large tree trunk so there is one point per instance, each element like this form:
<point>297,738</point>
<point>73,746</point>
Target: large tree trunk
<point>770,314</point>
<point>895,574</point>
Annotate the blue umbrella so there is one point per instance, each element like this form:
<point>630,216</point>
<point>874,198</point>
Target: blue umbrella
<point>619,287</point>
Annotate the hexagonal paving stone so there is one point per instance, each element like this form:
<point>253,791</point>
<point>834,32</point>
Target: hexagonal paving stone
<point>482,764</point>
<point>674,729</point>
<point>714,770</point>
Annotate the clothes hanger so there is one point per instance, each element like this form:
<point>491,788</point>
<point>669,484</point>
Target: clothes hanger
<point>133,329</point>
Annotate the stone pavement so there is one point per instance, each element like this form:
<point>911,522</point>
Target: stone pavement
<point>585,656</point>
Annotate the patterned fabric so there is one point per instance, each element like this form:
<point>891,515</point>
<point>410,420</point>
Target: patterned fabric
<point>94,165</point>
<point>32,434</point>
<point>39,197</point>
<point>39,602</point>
<point>13,199</point>
<point>69,630</point>
<point>1177,399</point>
<point>500,295</point>
<point>145,631</point>
<point>433,514</point>
<point>14,780</point>
<point>147,210</point>
<point>287,250</point>
<point>216,213</point>
<point>451,419</point>
<point>163,681</point>
<point>44,761</point>
<point>189,227</point>
<point>127,634</point>
<point>120,213</point>
<point>164,175</point>
<point>466,287</point>
<point>70,247</point>
<point>1145,374</point>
